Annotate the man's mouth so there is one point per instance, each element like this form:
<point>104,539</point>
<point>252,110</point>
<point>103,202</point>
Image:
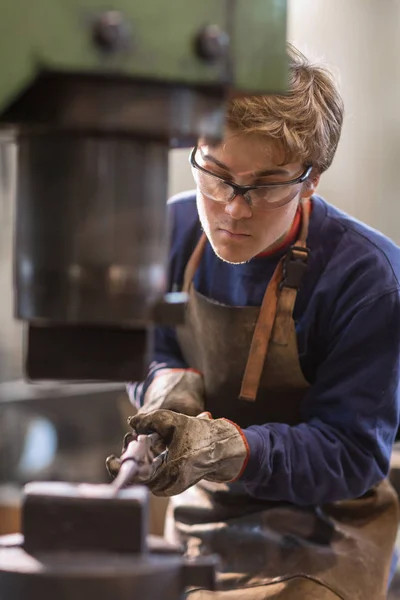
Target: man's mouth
<point>233,234</point>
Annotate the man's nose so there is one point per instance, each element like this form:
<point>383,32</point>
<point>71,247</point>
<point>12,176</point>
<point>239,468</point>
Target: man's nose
<point>238,208</point>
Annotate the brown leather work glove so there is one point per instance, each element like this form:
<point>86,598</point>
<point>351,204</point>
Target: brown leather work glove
<point>197,448</point>
<point>180,390</point>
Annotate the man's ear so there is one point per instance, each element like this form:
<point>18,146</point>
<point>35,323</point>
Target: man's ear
<point>310,185</point>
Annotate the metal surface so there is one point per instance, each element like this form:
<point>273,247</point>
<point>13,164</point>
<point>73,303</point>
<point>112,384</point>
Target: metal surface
<point>90,229</point>
<point>259,45</point>
<point>104,576</point>
<point>10,328</point>
<point>90,253</point>
<point>84,517</point>
<point>58,557</point>
<point>57,35</point>
<point>86,353</point>
<point>145,109</point>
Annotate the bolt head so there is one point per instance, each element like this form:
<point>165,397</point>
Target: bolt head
<point>111,32</point>
<point>212,43</point>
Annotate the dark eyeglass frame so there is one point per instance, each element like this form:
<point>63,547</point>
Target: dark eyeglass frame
<point>242,190</point>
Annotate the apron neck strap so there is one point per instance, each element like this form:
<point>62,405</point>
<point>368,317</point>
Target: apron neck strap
<point>193,263</point>
<point>276,312</point>
<point>305,222</point>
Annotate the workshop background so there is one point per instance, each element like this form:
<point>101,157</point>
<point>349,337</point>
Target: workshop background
<point>360,39</point>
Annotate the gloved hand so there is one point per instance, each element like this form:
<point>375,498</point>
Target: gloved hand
<point>197,448</point>
<point>180,390</point>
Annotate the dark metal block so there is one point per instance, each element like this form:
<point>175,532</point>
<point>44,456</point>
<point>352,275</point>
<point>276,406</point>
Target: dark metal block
<point>77,353</point>
<point>62,516</point>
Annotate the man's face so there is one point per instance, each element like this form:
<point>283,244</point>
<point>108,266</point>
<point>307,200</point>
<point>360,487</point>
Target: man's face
<point>236,230</point>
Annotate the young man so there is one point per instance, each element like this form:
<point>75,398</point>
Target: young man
<point>291,344</point>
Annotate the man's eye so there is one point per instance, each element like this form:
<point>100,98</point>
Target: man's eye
<point>223,176</point>
<point>215,173</point>
<point>265,182</point>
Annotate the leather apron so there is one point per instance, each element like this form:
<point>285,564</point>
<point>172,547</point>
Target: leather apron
<point>249,359</point>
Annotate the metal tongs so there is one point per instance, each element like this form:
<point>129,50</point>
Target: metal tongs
<point>140,459</point>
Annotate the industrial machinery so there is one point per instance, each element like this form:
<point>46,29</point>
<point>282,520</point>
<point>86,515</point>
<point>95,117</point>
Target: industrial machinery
<point>95,96</point>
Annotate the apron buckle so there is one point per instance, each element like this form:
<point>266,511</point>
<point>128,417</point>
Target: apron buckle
<point>294,267</point>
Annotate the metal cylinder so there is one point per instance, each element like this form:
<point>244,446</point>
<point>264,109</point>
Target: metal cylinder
<point>91,242</point>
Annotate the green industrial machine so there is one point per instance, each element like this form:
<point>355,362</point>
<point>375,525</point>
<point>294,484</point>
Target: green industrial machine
<point>151,39</point>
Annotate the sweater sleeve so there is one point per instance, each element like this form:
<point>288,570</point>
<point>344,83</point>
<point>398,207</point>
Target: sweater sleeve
<point>167,355</point>
<point>349,417</point>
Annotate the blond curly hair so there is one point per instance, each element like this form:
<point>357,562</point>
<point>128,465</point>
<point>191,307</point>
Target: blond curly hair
<point>306,122</point>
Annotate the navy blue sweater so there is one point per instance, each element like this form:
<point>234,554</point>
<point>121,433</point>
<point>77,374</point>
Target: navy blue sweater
<point>347,318</point>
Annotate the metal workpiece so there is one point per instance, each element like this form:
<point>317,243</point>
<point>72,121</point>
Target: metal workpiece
<point>58,516</point>
<point>84,541</point>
